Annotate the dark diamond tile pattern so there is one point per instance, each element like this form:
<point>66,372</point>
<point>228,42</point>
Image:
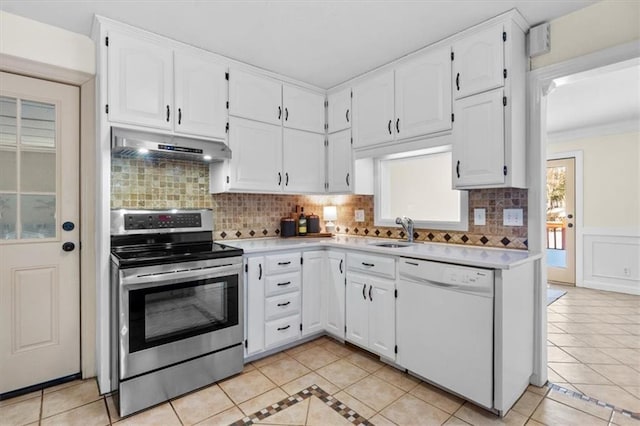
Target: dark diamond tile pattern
<point>389,233</point>
<point>526,243</point>
<point>447,237</point>
<point>356,230</point>
<point>252,232</point>
<point>464,238</point>
<point>484,240</point>
<point>402,234</point>
<point>277,232</point>
<point>223,234</point>
<point>431,236</point>
<point>265,232</point>
<point>346,230</point>
<point>366,231</point>
<point>505,241</point>
<point>377,232</point>
<point>238,234</point>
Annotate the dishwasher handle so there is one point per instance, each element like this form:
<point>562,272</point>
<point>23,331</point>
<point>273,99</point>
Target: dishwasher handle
<point>479,290</point>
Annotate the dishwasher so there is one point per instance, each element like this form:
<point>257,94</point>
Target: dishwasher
<point>445,326</point>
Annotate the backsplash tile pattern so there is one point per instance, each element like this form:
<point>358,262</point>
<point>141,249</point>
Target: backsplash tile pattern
<point>148,183</point>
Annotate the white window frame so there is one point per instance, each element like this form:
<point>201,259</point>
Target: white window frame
<point>462,225</point>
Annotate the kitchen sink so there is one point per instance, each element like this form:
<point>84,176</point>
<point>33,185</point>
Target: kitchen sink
<point>392,245</point>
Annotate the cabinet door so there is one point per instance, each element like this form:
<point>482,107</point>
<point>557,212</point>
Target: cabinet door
<point>304,160</point>
<point>373,111</point>
<point>478,64</point>
<point>478,144</point>
<point>256,162</point>
<point>340,162</point>
<point>382,317</point>
<point>312,283</point>
<point>139,82</point>
<point>334,294</point>
<point>303,109</point>
<point>357,318</point>
<point>339,110</point>
<point>423,95</point>
<point>254,312</point>
<point>255,97</point>
<point>200,96</point>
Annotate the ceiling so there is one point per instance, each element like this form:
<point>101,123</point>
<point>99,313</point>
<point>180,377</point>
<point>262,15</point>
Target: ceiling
<point>322,43</point>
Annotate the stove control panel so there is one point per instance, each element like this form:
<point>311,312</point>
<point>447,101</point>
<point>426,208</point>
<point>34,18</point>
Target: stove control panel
<point>133,221</point>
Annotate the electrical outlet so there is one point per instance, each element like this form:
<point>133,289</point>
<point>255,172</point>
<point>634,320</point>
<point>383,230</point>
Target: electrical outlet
<point>512,217</point>
<point>479,216</point>
<point>359,215</point>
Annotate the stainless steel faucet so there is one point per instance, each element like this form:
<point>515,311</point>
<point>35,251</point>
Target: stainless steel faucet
<point>407,225</point>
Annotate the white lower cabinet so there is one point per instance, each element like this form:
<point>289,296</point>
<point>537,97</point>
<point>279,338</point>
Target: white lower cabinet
<point>313,273</point>
<point>333,300</point>
<point>254,284</point>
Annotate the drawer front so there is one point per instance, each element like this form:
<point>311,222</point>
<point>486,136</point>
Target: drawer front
<point>372,264</point>
<point>282,306</point>
<point>282,283</point>
<point>278,264</point>
<point>281,330</point>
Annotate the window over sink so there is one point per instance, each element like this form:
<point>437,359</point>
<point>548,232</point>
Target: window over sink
<point>417,184</point>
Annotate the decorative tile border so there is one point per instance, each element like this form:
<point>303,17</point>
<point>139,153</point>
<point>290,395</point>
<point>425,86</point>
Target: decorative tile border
<point>313,390</point>
<point>586,398</point>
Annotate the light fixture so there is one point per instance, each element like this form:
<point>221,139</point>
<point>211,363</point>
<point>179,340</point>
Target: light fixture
<point>207,158</point>
<point>143,150</point>
<point>329,214</point>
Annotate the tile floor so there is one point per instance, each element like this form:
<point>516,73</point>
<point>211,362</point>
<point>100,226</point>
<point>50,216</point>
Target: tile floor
<point>593,350</point>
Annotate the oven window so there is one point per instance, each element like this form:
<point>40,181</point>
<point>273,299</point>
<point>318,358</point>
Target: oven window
<point>159,315</point>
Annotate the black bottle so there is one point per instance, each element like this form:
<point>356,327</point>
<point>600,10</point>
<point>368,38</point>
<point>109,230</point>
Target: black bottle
<point>302,223</point>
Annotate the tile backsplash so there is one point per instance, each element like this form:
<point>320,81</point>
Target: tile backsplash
<point>148,183</point>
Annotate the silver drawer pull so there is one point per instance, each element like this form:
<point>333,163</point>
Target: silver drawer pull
<point>284,304</point>
<point>368,264</point>
<point>284,263</point>
<point>281,284</point>
<point>283,328</point>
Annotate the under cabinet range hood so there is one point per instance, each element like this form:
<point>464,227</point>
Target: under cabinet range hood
<point>135,143</point>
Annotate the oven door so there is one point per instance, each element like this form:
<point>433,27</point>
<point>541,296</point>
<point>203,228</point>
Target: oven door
<point>176,312</point>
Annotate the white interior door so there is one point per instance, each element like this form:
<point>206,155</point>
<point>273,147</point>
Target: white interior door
<point>39,231</point>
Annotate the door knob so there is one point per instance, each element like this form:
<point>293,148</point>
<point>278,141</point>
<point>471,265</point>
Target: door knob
<point>68,246</point>
<point>68,226</point>
<point>569,216</point>
<point>570,225</point>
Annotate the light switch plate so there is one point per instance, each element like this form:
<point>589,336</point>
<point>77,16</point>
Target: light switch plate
<point>479,216</point>
<point>512,217</point>
<point>359,215</point>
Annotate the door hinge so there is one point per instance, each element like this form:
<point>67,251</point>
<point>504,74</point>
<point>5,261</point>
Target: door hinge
<point>326,186</point>
<point>246,267</point>
<point>106,108</point>
<point>326,142</point>
<point>106,41</point>
<point>504,170</point>
<point>504,36</point>
<point>395,349</point>
<point>226,76</point>
<point>227,179</point>
<point>345,281</point>
<point>345,328</point>
<point>396,293</point>
<point>452,56</point>
<point>300,326</point>
<point>352,94</point>
<point>504,101</point>
<point>453,117</point>
<point>226,128</point>
<point>301,261</point>
<point>504,73</point>
<point>326,103</point>
<point>246,343</point>
<point>227,104</point>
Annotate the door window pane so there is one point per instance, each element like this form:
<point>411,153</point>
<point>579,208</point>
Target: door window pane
<point>8,216</point>
<point>38,125</point>
<point>37,214</point>
<point>556,216</point>
<point>38,171</point>
<point>7,121</point>
<point>8,172</point>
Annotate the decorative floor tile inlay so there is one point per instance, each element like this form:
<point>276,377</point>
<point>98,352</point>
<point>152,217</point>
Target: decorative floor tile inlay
<point>586,398</point>
<point>313,390</point>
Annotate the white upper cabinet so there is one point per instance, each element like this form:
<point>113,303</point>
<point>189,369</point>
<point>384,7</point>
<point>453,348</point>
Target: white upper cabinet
<point>304,160</point>
<point>340,177</point>
<point>339,110</point>
<point>200,96</point>
<point>140,84</point>
<point>478,63</point>
<point>255,97</point>
<point>303,109</point>
<point>373,112</point>
<point>423,95</point>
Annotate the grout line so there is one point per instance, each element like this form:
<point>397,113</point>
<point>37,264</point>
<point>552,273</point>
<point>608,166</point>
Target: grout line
<point>595,401</point>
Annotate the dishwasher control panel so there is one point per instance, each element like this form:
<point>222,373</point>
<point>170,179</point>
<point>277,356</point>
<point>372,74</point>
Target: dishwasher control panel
<point>470,277</point>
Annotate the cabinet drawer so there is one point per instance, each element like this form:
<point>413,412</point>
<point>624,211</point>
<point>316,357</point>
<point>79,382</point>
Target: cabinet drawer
<point>282,263</point>
<point>282,306</point>
<point>372,264</point>
<point>281,330</point>
<point>282,283</point>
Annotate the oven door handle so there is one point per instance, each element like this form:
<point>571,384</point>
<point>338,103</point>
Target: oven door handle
<point>143,279</point>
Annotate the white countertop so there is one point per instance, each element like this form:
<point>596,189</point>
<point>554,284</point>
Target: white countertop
<point>483,257</point>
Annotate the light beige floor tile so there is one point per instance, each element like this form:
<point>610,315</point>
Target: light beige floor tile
<point>355,404</point>
<point>553,328</point>
<point>614,395</point>
<point>527,403</point>
<point>478,416</point>
<point>284,370</point>
<point>454,421</point>
<point>320,414</point>
<point>246,386</point>
<point>553,317</point>
<point>225,418</point>
<point>590,356</point>
<point>566,340</point>
<point>555,354</point>
<point>567,386</point>
<point>554,377</point>
<point>540,390</point>
<point>397,378</point>
<point>338,349</point>
<point>69,397</point>
<point>315,357</point>
<point>620,419</point>
<point>380,420</point>
<point>342,373</point>
<point>22,412</point>
<point>532,422</point>
<point>618,374</point>
<point>159,415</point>
<point>628,341</point>
<point>437,397</point>
<point>201,404</point>
<point>365,362</point>
<point>600,341</point>
<point>248,367</point>
<point>578,373</point>
<point>293,415</point>
<point>630,357</point>
<point>64,385</point>
<point>551,412</point>
<point>93,414</point>
<point>30,395</point>
<point>307,380</point>
<point>301,348</point>
<point>633,390</point>
<point>579,404</point>
<point>111,408</point>
<point>270,359</point>
<point>375,392</point>
<point>408,410</point>
<point>262,401</point>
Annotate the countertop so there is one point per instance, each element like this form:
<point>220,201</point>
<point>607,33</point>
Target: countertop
<point>483,257</point>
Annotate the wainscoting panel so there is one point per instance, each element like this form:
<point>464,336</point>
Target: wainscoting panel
<point>612,259</point>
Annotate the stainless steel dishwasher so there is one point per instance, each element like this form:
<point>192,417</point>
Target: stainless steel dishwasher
<point>445,326</point>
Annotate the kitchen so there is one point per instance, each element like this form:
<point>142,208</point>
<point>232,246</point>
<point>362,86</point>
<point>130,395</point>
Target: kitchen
<point>231,227</point>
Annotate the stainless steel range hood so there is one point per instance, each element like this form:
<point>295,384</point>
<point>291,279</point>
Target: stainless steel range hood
<point>134,143</point>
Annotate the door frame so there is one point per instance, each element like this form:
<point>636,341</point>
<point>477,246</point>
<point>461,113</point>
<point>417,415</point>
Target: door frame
<point>579,208</point>
<point>538,86</point>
